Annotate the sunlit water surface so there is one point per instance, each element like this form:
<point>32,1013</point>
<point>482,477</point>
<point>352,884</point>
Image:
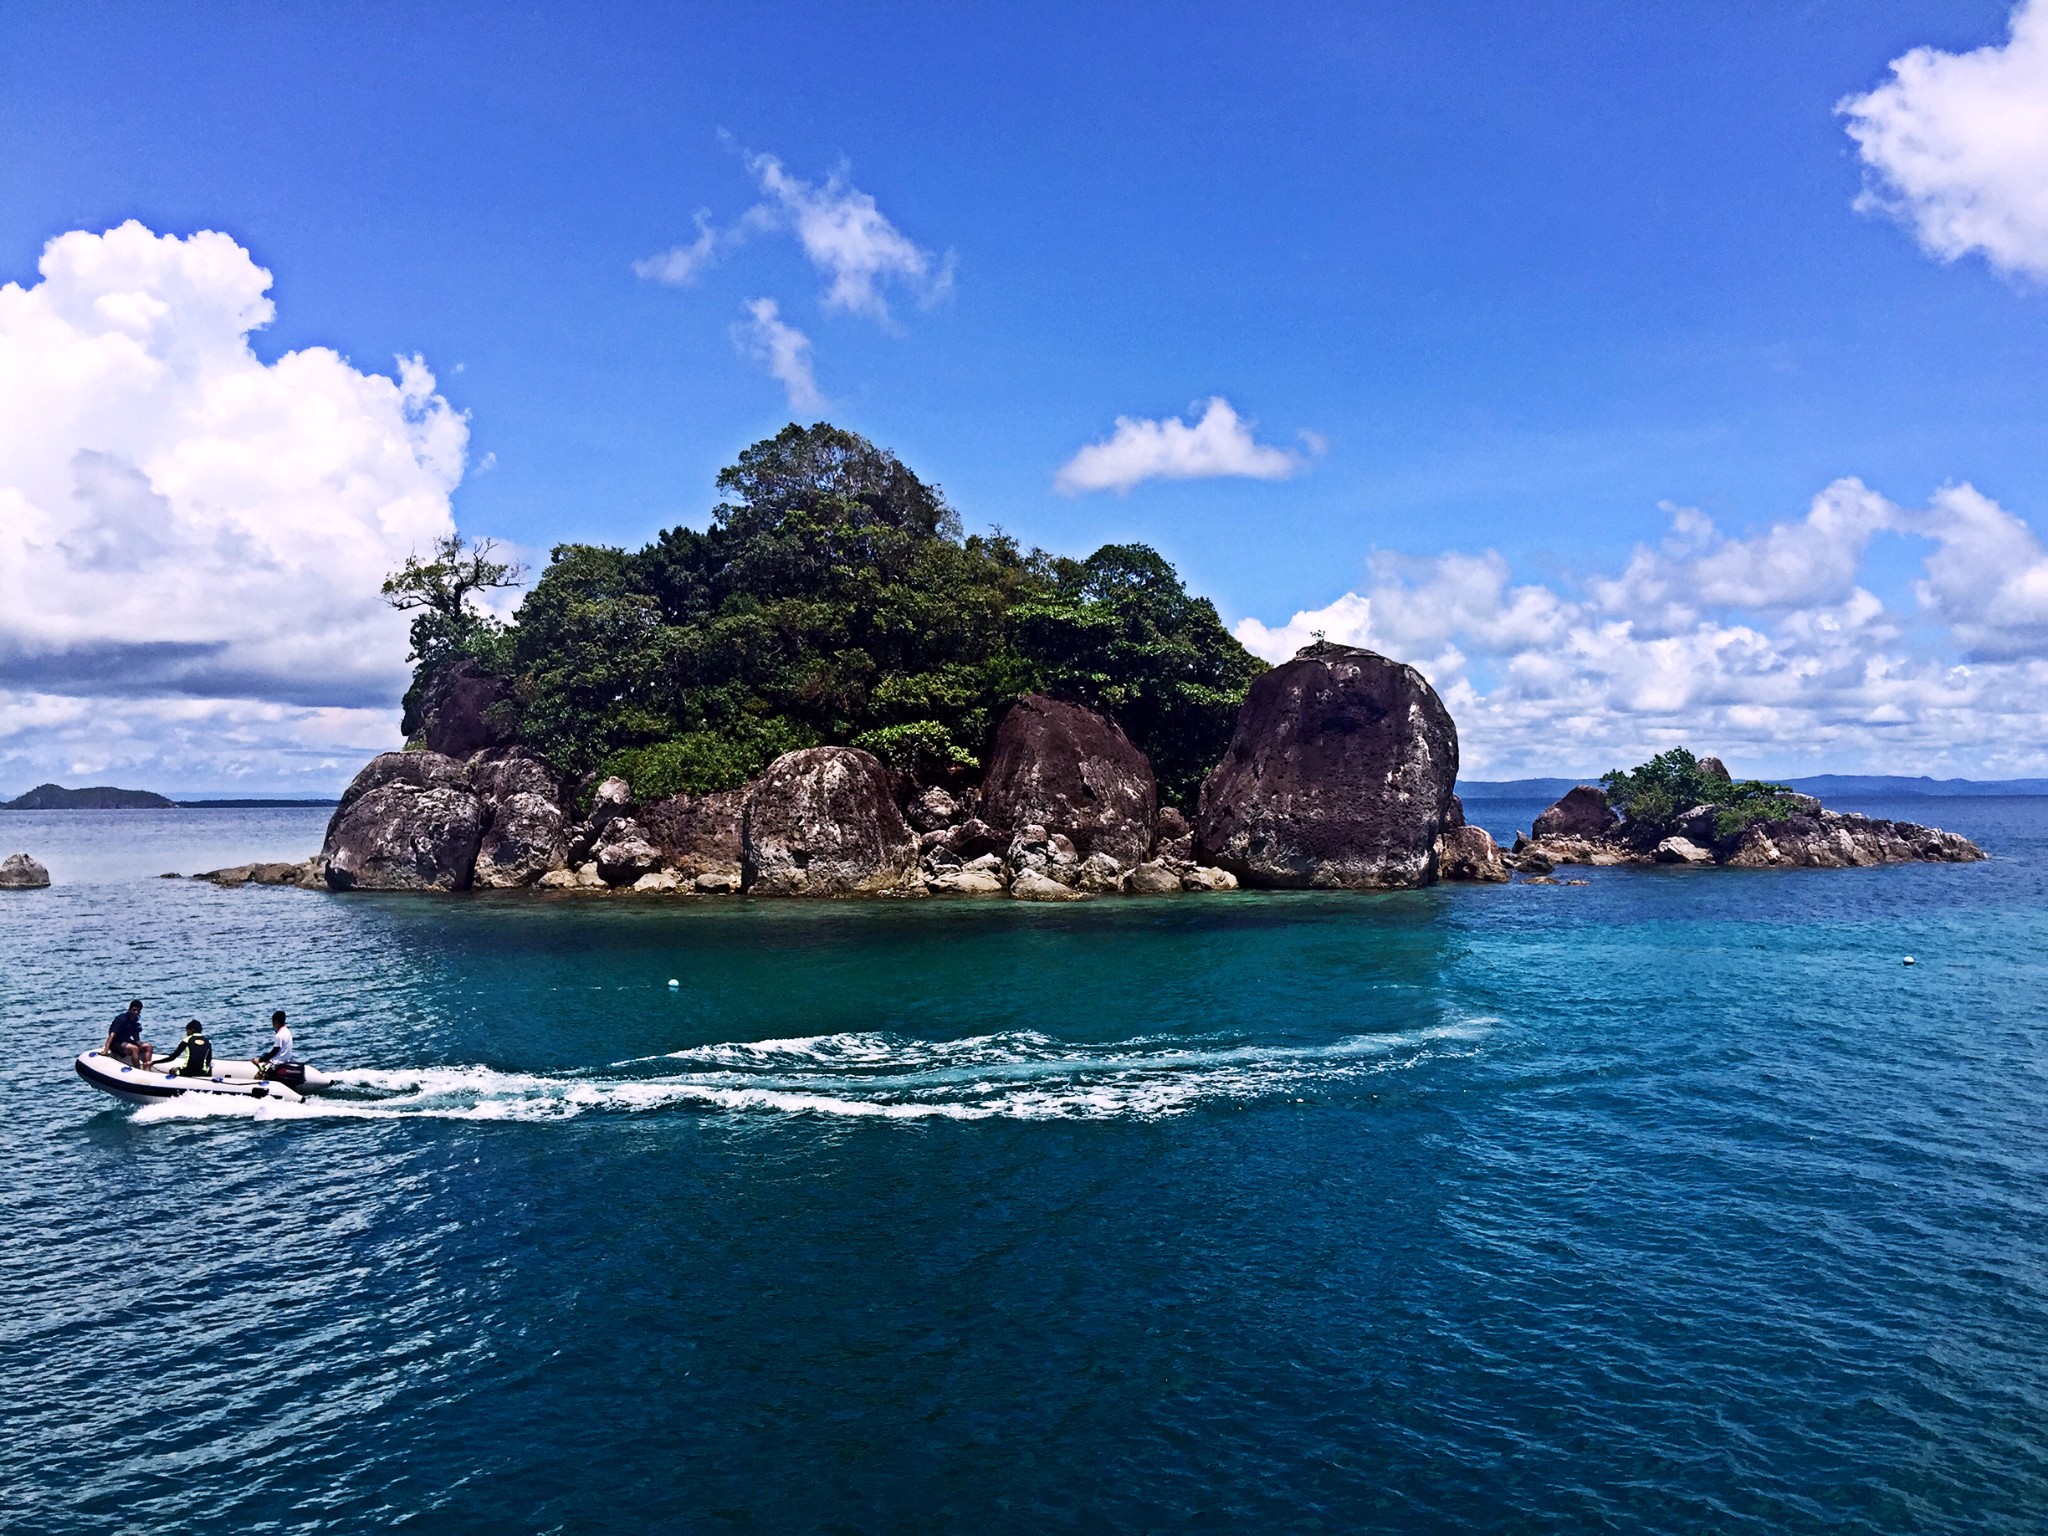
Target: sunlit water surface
<point>1670,1202</point>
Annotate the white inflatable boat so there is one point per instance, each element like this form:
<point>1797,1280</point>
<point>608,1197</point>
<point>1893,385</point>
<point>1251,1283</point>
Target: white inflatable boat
<point>143,1085</point>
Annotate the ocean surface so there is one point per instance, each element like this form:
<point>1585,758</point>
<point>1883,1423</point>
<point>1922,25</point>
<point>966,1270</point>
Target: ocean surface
<point>1672,1202</point>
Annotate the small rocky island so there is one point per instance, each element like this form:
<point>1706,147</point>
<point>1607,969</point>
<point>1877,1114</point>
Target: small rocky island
<point>97,797</point>
<point>832,691</point>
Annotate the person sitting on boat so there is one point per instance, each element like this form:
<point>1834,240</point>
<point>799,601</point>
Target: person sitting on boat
<point>124,1037</point>
<point>281,1064</point>
<point>196,1051</point>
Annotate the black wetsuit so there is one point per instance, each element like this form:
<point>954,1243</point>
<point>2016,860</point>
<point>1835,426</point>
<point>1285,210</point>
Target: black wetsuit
<point>198,1053</point>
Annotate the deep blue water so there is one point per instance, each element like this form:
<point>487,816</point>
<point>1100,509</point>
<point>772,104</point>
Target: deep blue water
<point>1672,1202</point>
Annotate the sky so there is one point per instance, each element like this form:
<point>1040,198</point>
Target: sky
<point>1644,375</point>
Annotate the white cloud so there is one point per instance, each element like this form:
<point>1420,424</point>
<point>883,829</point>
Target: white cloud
<point>1957,146</point>
<point>783,350</point>
<point>849,240</point>
<point>1769,650</point>
<point>1220,444</point>
<point>180,521</point>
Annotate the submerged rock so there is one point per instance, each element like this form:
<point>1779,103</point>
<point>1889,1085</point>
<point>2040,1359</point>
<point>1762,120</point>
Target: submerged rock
<point>19,872</point>
<point>822,822</point>
<point>1340,775</point>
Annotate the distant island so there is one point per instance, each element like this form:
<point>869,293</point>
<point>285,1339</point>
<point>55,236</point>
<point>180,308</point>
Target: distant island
<point>101,797</point>
<point>1825,785</point>
<point>105,797</point>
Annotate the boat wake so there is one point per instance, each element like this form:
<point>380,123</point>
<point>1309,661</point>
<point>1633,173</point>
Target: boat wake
<point>1018,1075</point>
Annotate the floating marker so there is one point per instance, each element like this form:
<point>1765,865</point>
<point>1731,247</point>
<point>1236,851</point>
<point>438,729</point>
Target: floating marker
<point>1909,961</point>
<point>673,983</point>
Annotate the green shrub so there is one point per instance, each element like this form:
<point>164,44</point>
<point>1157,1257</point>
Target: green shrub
<point>703,762</point>
<point>924,749</point>
<point>1652,796</point>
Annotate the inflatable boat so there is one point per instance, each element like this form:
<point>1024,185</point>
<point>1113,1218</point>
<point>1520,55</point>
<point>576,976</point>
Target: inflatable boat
<point>237,1079</point>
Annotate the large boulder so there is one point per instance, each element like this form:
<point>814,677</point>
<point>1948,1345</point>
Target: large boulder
<point>528,837</point>
<point>409,822</point>
<point>1583,812</point>
<point>1075,773</point>
<point>465,709</point>
<point>698,834</point>
<point>822,822</point>
<point>1339,775</point>
<point>19,872</point>
<point>1469,853</point>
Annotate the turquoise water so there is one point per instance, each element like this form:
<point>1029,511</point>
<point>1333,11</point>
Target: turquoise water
<point>1672,1202</point>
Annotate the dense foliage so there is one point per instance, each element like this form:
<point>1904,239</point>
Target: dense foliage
<point>1654,795</point>
<point>834,598</point>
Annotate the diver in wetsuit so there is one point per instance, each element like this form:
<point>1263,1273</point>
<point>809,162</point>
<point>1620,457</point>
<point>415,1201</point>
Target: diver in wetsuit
<point>196,1051</point>
<point>281,1064</point>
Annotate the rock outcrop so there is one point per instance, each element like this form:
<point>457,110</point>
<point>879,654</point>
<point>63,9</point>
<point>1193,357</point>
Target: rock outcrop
<point>465,710</point>
<point>1172,837</point>
<point>1075,773</point>
<point>1833,840</point>
<point>699,836</point>
<point>1469,853</point>
<point>822,822</point>
<point>1340,775</point>
<point>1583,812</point>
<point>19,872</point>
<point>527,835</point>
<point>409,822</point>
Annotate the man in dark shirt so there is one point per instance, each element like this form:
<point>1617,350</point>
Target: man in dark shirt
<point>124,1037</point>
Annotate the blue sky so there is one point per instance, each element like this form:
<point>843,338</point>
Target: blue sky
<point>1505,283</point>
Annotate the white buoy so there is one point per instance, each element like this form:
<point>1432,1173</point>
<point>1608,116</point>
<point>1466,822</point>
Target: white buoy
<point>1909,959</point>
<point>673,983</point>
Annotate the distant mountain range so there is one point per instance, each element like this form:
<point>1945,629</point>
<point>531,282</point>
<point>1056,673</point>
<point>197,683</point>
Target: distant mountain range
<point>1827,786</point>
<point>104,797</point>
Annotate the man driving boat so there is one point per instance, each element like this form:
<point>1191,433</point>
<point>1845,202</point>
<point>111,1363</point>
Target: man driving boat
<point>281,1064</point>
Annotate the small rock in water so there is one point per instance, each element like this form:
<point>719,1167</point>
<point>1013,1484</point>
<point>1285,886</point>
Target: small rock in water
<point>170,874</point>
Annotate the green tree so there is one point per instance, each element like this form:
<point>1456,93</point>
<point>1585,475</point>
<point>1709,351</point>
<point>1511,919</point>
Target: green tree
<point>1119,632</point>
<point>1653,795</point>
<point>446,626</point>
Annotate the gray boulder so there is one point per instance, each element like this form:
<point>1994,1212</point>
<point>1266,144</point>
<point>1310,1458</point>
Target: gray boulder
<point>822,822</point>
<point>1339,775</point>
<point>1074,773</point>
<point>1172,837</point>
<point>698,834</point>
<point>19,872</point>
<point>408,822</point>
<point>1033,886</point>
<point>1681,850</point>
<point>1583,812</point>
<point>1470,853</point>
<point>932,809</point>
<point>528,837</point>
<point>625,853</point>
<point>1155,877</point>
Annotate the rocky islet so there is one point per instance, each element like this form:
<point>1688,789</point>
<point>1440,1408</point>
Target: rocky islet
<point>1340,776</point>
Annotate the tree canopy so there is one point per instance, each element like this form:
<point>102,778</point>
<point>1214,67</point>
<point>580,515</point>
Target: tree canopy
<point>833,598</point>
<point>1653,795</point>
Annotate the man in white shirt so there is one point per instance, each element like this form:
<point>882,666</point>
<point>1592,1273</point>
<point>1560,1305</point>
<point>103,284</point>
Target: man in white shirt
<point>281,1064</point>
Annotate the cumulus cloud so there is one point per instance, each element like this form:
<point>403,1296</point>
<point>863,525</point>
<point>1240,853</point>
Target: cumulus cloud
<point>1770,650</point>
<point>1219,444</point>
<point>783,350</point>
<point>180,521</point>
<point>853,245</point>
<point>1956,145</point>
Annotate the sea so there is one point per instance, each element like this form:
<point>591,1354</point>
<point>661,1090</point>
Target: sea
<point>1674,1201</point>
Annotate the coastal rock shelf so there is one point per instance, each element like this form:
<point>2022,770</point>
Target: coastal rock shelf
<point>1582,828</point>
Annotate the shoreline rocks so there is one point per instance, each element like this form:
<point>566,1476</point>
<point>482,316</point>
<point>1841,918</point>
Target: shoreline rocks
<point>823,822</point>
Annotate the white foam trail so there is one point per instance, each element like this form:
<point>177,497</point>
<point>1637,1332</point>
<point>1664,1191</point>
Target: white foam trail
<point>1021,1075</point>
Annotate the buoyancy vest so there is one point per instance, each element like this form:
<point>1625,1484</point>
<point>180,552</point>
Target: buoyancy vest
<point>198,1057</point>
